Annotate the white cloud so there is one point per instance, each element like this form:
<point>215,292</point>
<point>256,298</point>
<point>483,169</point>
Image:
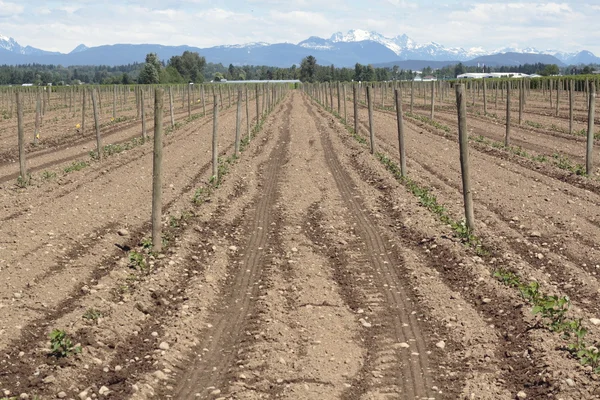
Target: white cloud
<point>564,25</point>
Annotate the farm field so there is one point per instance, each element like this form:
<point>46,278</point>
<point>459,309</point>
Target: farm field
<point>309,269</point>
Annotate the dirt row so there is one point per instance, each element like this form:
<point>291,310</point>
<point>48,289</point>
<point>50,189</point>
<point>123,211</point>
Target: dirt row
<point>310,272</point>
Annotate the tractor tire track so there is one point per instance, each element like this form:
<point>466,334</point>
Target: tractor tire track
<point>239,299</point>
<point>413,378</point>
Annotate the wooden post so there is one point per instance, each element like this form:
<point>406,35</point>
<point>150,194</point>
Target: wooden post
<point>507,137</point>
<point>114,101</point>
<point>257,109</point>
<point>247,115</point>
<point>400,133</point>
<point>463,140</point>
<point>484,96</point>
<point>571,103</point>
<point>238,124</point>
<point>330,97</point>
<point>189,99</point>
<point>432,99</point>
<point>82,112</point>
<point>371,127</point>
<point>412,95</point>
<point>558,97</point>
<point>157,172</point>
<point>590,134</point>
<point>203,100</point>
<point>345,113</point>
<point>521,95</point>
<point>171,107</point>
<point>21,139</point>
<point>496,96</point>
<point>215,151</point>
<point>144,133</point>
<point>339,100</point>
<point>355,100</point>
<point>97,125</point>
<point>38,110</point>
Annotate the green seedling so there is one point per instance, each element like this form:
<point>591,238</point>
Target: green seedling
<point>136,261</point>
<point>61,345</point>
<point>92,314</point>
<point>47,175</point>
<point>76,166</point>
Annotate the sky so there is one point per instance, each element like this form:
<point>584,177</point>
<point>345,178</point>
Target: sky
<point>62,25</point>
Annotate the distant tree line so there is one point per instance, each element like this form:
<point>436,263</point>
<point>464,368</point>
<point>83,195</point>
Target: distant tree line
<point>191,67</point>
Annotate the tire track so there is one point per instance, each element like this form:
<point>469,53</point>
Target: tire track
<point>238,301</point>
<point>413,378</point>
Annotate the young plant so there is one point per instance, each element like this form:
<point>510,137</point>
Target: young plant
<point>136,261</point>
<point>92,314</point>
<point>61,345</point>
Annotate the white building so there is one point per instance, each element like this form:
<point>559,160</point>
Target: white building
<point>479,75</point>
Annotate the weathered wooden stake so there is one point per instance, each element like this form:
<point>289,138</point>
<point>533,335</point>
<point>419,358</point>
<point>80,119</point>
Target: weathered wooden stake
<point>507,137</point>
<point>521,96</point>
<point>157,172</point>
<point>590,134</point>
<point>571,104</point>
<point>484,96</point>
<point>399,118</point>
<point>97,125</point>
<point>247,115</point>
<point>371,127</point>
<point>21,139</point>
<point>345,113</point>
<point>144,133</point>
<point>114,101</point>
<point>189,99</point>
<point>432,99</point>
<point>36,133</point>
<point>171,107</point>
<point>355,101</point>
<point>463,140</point>
<point>238,124</point>
<point>82,112</point>
<point>215,151</point>
<point>412,95</point>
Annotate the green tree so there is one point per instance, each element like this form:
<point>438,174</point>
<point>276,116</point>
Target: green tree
<point>190,66</point>
<point>369,73</point>
<point>152,58</point>
<point>308,69</point>
<point>218,77</point>
<point>459,69</point>
<point>171,75</point>
<point>149,75</point>
<point>550,69</point>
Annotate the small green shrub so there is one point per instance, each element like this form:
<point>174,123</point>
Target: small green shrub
<point>61,345</point>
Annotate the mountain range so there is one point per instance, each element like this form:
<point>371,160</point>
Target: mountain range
<point>341,49</point>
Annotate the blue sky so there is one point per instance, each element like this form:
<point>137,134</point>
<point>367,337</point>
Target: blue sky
<point>62,25</point>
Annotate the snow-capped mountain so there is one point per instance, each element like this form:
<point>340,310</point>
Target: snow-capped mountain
<point>79,49</point>
<point>406,48</point>
<point>340,49</point>
<point>10,44</point>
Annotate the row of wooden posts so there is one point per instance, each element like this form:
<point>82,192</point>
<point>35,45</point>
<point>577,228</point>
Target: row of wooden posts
<point>142,94</point>
<point>323,93</point>
<point>269,93</point>
<point>270,99</point>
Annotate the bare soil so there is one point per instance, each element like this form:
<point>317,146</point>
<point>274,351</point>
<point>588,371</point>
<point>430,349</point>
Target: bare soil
<point>310,272</point>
